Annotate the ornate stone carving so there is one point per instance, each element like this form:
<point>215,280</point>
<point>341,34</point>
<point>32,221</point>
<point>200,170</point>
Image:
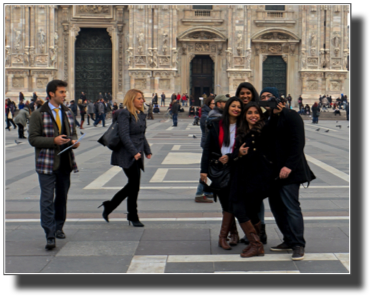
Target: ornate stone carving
<point>248,59</point>
<point>164,60</point>
<point>345,63</point>
<point>336,39</point>
<point>284,57</point>
<point>312,61</point>
<point>335,86</point>
<point>238,61</point>
<point>130,57</point>
<point>18,82</point>
<point>111,32</point>
<point>165,43</point>
<point>236,83</point>
<point>174,58</point>
<point>56,38</point>
<point>7,56</point>
<point>336,62</point>
<point>229,58</point>
<point>292,49</point>
<point>26,57</point>
<point>152,58</point>
<point>275,36</point>
<point>219,48</point>
<point>140,60</point>
<point>303,59</point>
<point>313,8</point>
<point>312,85</point>
<point>18,38</point>
<point>184,47</point>
<point>165,83</point>
<point>31,56</point>
<point>313,40</point>
<point>239,43</point>
<point>336,52</point>
<point>313,51</point>
<point>141,84</point>
<point>163,74</point>
<point>202,47</point>
<point>275,48</point>
<point>264,48</point>
<point>42,82</point>
<point>94,9</point>
<point>41,59</point>
<point>17,59</point>
<point>52,56</point>
<point>140,74</point>
<point>265,57</point>
<point>140,40</point>
<point>201,35</point>
<point>257,49</point>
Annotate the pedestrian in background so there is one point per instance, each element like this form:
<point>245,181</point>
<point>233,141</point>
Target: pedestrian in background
<point>82,107</point>
<point>174,110</point>
<point>162,99</point>
<point>51,130</point>
<point>221,141</point>
<point>315,108</point>
<point>73,108</point>
<point>21,119</point>
<point>90,111</point>
<point>21,97</point>
<point>129,156</point>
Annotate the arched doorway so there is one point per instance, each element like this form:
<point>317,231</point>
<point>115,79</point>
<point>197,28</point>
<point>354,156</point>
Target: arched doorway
<point>201,77</point>
<point>93,63</point>
<point>274,73</point>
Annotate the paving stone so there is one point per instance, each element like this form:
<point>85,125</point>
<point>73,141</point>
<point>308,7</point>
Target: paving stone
<point>255,266</point>
<point>88,264</point>
<point>29,264</point>
<point>324,233</point>
<point>189,267</point>
<point>107,235</point>
<point>339,245</point>
<point>32,248</point>
<point>98,248</point>
<point>173,248</point>
<point>332,266</point>
<point>176,235</point>
<point>34,235</point>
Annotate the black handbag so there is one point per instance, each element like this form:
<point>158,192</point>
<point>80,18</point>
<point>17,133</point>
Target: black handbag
<point>111,138</point>
<point>219,174</point>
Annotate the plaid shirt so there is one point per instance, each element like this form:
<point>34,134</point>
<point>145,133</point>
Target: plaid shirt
<point>45,160</point>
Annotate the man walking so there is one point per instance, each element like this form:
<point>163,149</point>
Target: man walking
<point>101,113</point>
<point>90,111</point>
<point>174,110</point>
<point>162,99</point>
<point>51,130</point>
<point>292,170</point>
<point>73,108</point>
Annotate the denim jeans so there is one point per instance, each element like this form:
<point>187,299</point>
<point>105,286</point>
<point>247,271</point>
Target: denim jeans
<point>287,212</point>
<point>174,117</point>
<point>100,117</point>
<point>200,191</point>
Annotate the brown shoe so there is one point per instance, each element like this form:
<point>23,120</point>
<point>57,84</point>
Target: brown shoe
<point>233,235</point>
<point>227,220</point>
<point>202,199</point>
<point>255,247</point>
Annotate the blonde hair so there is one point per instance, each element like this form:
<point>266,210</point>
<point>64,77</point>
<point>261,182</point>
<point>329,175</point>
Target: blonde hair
<point>79,101</point>
<point>128,102</point>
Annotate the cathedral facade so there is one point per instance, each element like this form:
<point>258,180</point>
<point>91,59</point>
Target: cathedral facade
<point>300,49</point>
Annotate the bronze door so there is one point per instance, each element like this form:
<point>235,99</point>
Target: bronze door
<point>93,63</point>
<point>202,77</point>
<point>274,74</point>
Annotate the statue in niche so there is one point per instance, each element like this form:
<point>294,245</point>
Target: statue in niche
<point>7,56</point>
<point>336,41</point>
<point>130,57</point>
<point>26,57</point>
<point>303,59</point>
<point>140,39</point>
<point>56,37</point>
<point>229,58</point>
<point>41,37</point>
<point>52,57</point>
<point>165,38</point>
<point>175,58</point>
<point>239,43</point>
<point>248,59</point>
<point>18,38</point>
<point>313,40</point>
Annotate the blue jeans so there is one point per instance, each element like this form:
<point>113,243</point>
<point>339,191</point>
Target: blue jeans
<point>174,117</point>
<point>100,117</point>
<point>287,212</point>
<point>200,191</point>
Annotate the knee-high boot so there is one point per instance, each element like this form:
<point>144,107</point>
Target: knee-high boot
<point>225,228</point>
<point>233,235</point>
<point>81,124</point>
<point>109,206</point>
<point>255,247</point>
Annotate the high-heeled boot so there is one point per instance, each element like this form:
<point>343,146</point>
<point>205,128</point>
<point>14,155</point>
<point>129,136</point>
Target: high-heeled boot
<point>233,235</point>
<point>225,228</point>
<point>109,206</point>
<point>255,247</point>
<point>134,219</point>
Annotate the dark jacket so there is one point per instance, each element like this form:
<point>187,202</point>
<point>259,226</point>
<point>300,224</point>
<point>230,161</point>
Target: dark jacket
<point>73,107</point>
<point>83,97</point>
<point>175,108</point>
<point>132,135</point>
<point>173,97</point>
<point>34,97</point>
<point>253,173</point>
<point>315,110</point>
<point>205,112</point>
<point>289,142</point>
<point>211,146</point>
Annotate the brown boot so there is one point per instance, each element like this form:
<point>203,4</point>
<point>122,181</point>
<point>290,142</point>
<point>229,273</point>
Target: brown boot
<point>225,228</point>
<point>255,247</point>
<point>81,125</point>
<point>233,235</point>
<point>257,227</point>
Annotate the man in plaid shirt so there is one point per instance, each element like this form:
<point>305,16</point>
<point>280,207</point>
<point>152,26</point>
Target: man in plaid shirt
<point>51,130</point>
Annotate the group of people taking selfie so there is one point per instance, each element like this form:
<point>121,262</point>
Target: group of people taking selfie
<point>261,149</point>
<point>252,150</point>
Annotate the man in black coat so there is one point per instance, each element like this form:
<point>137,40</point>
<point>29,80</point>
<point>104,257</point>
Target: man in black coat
<point>291,170</point>
<point>175,110</point>
<point>83,96</point>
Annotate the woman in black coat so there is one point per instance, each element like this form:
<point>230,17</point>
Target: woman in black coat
<point>221,141</point>
<point>129,156</point>
<point>21,96</point>
<point>252,176</point>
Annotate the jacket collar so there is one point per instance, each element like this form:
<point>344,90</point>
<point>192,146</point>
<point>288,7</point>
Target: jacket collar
<point>46,108</point>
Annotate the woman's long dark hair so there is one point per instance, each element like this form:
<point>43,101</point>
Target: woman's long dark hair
<point>226,120</point>
<point>249,86</point>
<point>244,129</point>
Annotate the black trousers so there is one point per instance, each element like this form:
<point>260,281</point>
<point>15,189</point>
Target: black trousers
<point>90,116</point>
<point>247,209</point>
<point>20,130</point>
<point>130,191</point>
<point>224,199</point>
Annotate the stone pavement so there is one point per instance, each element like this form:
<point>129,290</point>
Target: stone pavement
<point>180,236</point>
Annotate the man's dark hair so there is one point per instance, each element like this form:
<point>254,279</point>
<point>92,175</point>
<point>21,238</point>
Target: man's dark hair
<point>53,85</point>
<point>208,100</point>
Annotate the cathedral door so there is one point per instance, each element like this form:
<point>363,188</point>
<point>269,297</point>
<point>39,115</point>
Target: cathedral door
<point>274,74</point>
<point>93,63</point>
<point>201,77</point>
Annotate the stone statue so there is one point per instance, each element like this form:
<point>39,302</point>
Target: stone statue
<point>7,55</point>
<point>52,57</point>
<point>303,59</point>
<point>18,38</point>
<point>56,37</point>
<point>140,38</point>
<point>313,40</point>
<point>248,59</point>
<point>336,41</point>
<point>41,37</point>
<point>165,38</point>
<point>229,58</point>
<point>175,58</point>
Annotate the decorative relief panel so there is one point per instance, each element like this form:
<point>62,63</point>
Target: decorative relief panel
<point>41,82</point>
<point>238,61</point>
<point>41,59</point>
<point>202,47</point>
<point>164,60</point>
<point>140,60</point>
<point>236,82</point>
<point>92,11</point>
<point>18,82</point>
<point>312,61</point>
<point>313,85</point>
<point>165,84</point>
<point>141,84</point>
<point>17,59</point>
